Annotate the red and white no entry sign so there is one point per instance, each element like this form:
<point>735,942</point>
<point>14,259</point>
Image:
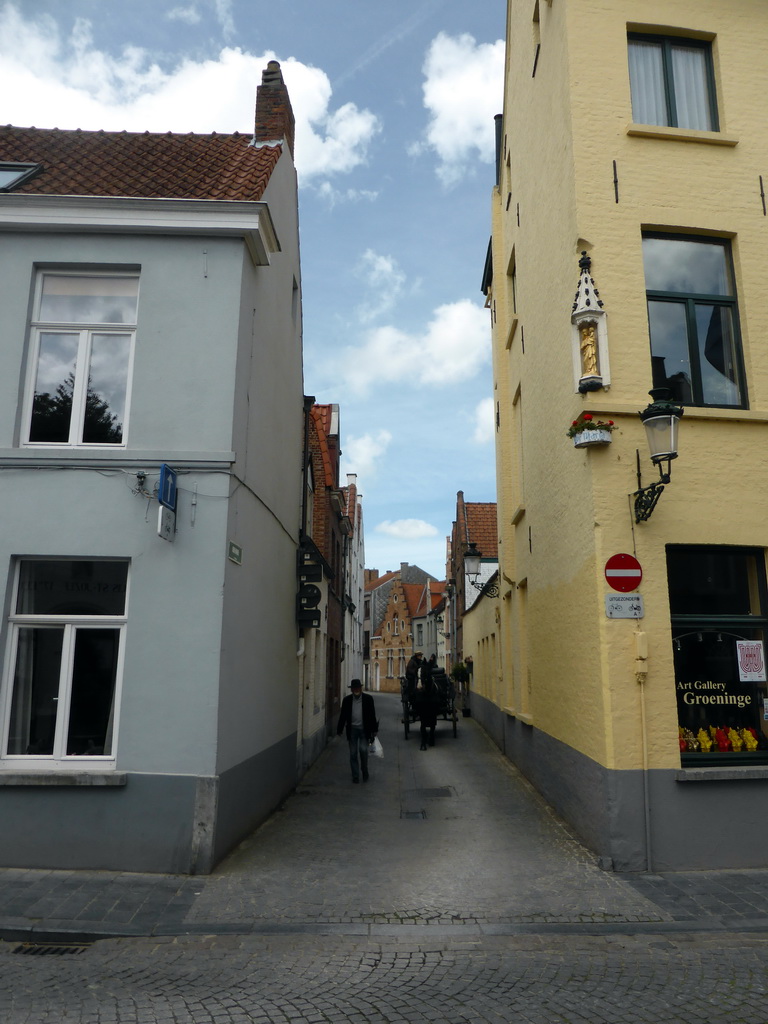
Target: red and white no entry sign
<point>623,573</point>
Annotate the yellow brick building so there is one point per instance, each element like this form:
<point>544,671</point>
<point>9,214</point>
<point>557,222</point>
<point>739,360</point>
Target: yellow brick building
<point>633,157</point>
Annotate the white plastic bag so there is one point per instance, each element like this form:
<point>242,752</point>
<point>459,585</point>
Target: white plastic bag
<point>375,749</point>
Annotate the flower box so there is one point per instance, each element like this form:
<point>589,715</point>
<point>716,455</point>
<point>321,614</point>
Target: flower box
<point>590,438</point>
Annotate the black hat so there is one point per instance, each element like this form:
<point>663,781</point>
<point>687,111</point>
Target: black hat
<point>355,683</point>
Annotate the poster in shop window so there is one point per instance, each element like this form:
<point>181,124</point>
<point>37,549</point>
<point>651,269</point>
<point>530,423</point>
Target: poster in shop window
<point>751,661</point>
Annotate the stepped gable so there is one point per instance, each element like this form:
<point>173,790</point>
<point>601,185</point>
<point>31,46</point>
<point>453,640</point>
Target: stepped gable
<point>414,593</point>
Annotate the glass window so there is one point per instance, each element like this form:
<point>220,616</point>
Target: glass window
<point>82,359</point>
<point>692,319</point>
<point>671,82</point>
<point>66,635</point>
<point>12,175</point>
<point>718,606</point>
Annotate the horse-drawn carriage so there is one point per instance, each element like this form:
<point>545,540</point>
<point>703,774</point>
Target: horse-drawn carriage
<point>442,696</point>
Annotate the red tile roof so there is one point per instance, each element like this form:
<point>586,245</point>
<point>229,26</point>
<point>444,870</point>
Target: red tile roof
<point>481,527</point>
<point>380,580</point>
<point>413,595</point>
<point>146,165</point>
<point>322,442</point>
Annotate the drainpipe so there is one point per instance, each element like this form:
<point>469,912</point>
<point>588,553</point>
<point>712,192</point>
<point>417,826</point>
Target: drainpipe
<point>641,675</point>
<point>499,119</point>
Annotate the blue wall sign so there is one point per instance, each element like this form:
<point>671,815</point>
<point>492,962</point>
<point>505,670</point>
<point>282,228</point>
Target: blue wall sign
<point>166,494</point>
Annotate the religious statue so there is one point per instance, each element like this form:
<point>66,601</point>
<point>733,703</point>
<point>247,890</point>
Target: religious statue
<point>588,349</point>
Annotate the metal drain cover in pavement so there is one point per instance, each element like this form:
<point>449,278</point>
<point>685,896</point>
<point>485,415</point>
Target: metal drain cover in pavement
<point>51,948</point>
<point>413,814</point>
<point>431,794</point>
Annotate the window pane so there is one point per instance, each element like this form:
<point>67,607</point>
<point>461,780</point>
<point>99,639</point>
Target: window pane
<point>35,691</point>
<point>717,355</point>
<point>52,407</point>
<point>705,581</point>
<point>670,361</point>
<point>92,704</point>
<point>107,385</point>
<point>686,265</point>
<point>646,80</point>
<point>89,300</point>
<point>58,587</point>
<point>711,696</point>
<point>689,69</point>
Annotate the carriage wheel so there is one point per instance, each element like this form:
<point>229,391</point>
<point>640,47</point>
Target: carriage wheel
<point>455,724</point>
<point>406,718</point>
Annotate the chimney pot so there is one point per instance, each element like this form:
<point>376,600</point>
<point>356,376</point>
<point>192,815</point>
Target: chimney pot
<point>274,115</point>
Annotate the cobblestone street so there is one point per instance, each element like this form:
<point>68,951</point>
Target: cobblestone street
<point>301,978</point>
<point>442,890</point>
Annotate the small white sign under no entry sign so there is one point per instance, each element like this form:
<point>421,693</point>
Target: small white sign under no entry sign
<point>624,606</point>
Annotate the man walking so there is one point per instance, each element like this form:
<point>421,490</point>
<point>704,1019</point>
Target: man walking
<point>358,715</point>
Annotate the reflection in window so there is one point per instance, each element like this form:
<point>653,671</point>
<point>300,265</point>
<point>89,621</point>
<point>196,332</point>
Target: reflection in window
<point>692,319</point>
<point>82,373</point>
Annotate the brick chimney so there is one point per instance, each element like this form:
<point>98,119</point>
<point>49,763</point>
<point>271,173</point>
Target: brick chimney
<point>274,115</point>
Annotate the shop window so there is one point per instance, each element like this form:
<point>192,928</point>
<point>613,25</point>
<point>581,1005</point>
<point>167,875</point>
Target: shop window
<point>671,82</point>
<point>718,606</point>
<point>66,634</point>
<point>82,347</point>
<point>693,321</point>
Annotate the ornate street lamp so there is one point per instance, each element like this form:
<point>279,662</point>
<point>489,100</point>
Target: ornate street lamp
<point>660,419</point>
<point>472,559</point>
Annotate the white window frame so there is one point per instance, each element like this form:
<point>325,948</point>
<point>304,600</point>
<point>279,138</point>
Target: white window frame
<point>85,333</point>
<point>59,759</point>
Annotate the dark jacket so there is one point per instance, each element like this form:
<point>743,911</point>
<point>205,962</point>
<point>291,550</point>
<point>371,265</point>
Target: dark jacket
<point>370,723</point>
<point>427,700</point>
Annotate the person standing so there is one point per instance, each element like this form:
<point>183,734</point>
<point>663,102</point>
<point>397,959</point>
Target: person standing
<point>412,673</point>
<point>358,717</point>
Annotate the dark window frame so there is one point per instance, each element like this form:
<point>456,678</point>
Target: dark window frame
<point>24,172</point>
<point>666,42</point>
<point>690,300</point>
<point>693,625</point>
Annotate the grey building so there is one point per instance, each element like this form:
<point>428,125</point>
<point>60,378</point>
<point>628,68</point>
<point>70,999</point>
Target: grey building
<point>150,316</point>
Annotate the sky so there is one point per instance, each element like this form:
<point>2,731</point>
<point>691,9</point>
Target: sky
<point>394,106</point>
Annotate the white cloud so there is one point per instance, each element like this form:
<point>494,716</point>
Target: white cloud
<point>453,347</point>
<point>361,454</point>
<point>384,283</point>
<point>485,423</point>
<point>79,86</point>
<point>224,17</point>
<point>407,529</point>
<point>463,91</point>
<point>189,15</point>
<point>334,196</point>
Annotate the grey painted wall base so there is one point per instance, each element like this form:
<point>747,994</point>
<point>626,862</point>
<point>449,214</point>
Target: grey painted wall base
<point>311,748</point>
<point>145,825</point>
<point>695,823</point>
<point>249,793</point>
<point>177,824</point>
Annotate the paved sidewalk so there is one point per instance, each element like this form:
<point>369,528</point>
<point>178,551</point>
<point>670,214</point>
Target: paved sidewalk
<point>450,842</point>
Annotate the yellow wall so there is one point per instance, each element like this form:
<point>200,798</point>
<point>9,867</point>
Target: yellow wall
<point>563,512</point>
<point>481,644</point>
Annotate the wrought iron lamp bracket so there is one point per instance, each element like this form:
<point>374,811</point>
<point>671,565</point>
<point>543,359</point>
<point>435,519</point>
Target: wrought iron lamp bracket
<point>486,589</point>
